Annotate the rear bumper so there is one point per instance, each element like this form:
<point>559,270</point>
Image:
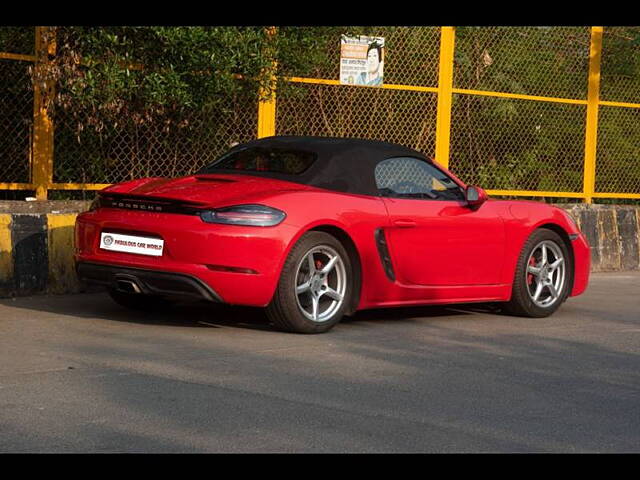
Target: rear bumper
<point>150,282</point>
<point>240,264</point>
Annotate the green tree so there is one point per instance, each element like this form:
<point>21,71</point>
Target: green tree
<point>134,101</point>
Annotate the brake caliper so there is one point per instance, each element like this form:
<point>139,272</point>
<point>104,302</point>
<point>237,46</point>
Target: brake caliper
<point>532,262</point>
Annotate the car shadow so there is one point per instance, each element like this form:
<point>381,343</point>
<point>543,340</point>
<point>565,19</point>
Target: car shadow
<point>210,315</point>
<point>98,305</point>
<point>420,312</point>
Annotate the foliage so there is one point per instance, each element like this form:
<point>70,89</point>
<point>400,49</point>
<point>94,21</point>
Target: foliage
<point>169,96</point>
<point>131,98</point>
<point>518,144</point>
<point>150,74</point>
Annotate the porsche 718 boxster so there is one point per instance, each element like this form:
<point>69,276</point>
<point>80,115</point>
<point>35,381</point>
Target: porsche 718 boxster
<point>317,228</point>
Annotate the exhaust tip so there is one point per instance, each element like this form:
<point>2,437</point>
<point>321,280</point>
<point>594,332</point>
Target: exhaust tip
<point>127,286</point>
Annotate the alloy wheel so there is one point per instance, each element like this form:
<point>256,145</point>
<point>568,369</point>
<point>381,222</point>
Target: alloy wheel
<point>321,283</point>
<point>546,274</point>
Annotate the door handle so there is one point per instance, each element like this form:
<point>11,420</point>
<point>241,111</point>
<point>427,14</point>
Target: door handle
<point>404,223</point>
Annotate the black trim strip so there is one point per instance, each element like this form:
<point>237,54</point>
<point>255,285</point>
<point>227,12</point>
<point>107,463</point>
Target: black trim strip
<point>148,204</point>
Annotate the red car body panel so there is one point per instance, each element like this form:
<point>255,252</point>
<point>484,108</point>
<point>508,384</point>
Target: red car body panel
<point>453,253</point>
<point>445,243</point>
<point>441,251</point>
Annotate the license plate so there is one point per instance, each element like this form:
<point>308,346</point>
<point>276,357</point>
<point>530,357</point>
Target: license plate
<point>131,244</point>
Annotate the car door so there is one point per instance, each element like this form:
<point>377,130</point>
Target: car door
<point>434,237</point>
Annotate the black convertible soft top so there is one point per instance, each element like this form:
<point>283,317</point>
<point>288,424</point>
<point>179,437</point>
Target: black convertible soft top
<point>341,164</point>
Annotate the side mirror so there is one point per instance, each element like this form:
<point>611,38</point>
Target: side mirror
<point>475,196</point>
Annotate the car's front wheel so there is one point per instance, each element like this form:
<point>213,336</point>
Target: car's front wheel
<point>543,276</point>
<point>315,286</point>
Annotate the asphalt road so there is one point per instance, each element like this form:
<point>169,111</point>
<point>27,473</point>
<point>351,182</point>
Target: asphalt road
<point>80,374</point>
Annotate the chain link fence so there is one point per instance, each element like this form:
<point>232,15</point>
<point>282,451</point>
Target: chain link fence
<point>16,104</point>
<point>404,117</point>
<point>513,144</point>
<point>506,143</point>
<point>127,151</point>
<point>545,61</point>
<point>518,117</point>
<point>618,157</point>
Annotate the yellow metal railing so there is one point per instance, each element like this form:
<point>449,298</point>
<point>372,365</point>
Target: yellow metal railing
<point>445,95</point>
<point>591,130</point>
<point>42,153</point>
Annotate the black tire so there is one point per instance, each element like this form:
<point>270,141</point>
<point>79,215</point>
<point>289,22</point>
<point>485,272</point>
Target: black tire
<point>283,310</point>
<point>521,303</point>
<point>140,302</point>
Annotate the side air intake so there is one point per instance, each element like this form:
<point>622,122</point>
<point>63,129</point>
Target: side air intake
<point>385,258</point>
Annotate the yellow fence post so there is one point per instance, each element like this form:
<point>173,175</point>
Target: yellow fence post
<point>445,95</point>
<point>591,129</point>
<point>267,106</point>
<point>43,90</point>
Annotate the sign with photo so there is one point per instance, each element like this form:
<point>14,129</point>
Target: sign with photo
<point>361,60</point>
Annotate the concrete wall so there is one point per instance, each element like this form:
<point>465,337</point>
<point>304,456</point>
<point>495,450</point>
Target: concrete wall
<point>36,244</point>
<point>36,254</point>
<point>613,232</point>
<point>36,247</point>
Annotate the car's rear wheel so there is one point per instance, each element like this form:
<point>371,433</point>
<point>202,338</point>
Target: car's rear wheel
<point>543,276</point>
<point>139,301</point>
<point>315,286</point>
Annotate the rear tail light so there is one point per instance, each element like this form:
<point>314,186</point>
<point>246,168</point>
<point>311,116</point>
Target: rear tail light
<point>252,215</point>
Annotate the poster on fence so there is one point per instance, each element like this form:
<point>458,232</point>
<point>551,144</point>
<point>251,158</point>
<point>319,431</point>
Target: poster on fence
<point>361,60</point>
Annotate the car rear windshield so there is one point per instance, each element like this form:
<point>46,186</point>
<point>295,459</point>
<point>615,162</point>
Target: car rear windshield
<point>256,159</point>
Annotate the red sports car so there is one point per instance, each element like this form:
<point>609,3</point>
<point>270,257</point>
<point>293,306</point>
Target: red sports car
<point>316,228</point>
